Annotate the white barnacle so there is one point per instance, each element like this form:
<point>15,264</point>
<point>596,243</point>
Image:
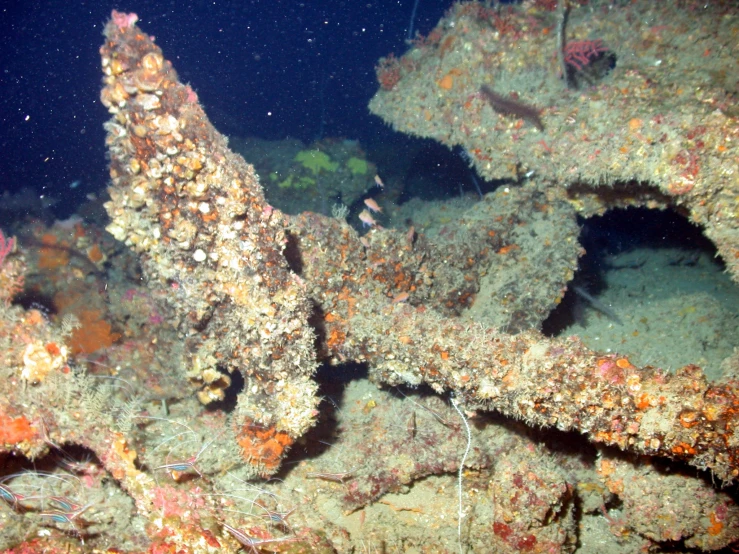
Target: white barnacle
<point>165,124</point>
<point>148,101</point>
<point>226,233</point>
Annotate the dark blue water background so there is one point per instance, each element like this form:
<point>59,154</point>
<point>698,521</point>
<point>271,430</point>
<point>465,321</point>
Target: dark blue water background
<point>272,69</point>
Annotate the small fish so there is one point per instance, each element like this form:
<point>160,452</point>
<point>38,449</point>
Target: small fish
<point>379,182</point>
<point>402,297</point>
<point>69,223</point>
<point>75,184</point>
<point>410,235</point>
<point>372,205</point>
<point>366,219</point>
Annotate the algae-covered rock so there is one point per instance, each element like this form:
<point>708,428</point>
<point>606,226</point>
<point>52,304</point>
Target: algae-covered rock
<point>654,126</point>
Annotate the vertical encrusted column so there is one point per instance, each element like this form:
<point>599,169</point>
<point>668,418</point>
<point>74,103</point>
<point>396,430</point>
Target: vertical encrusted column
<point>196,214</point>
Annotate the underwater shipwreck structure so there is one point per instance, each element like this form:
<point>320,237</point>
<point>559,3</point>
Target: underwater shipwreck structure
<point>242,300</point>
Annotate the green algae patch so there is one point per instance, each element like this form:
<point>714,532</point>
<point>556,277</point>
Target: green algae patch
<point>316,161</point>
<point>299,183</point>
<point>357,166</point>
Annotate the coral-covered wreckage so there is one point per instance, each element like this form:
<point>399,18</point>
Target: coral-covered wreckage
<point>237,293</point>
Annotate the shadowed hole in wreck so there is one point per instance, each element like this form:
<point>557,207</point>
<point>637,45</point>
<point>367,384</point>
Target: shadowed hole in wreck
<point>13,464</point>
<point>332,382</point>
<point>292,254</point>
<point>231,393</point>
<point>317,321</point>
<point>34,300</point>
<point>71,458</point>
<point>438,173</point>
<point>648,279</point>
<point>69,482</point>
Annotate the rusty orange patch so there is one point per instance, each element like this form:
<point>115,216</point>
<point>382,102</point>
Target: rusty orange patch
<point>606,468</point>
<point>51,254</point>
<point>14,430</point>
<point>683,448</point>
<point>446,82</point>
<point>53,349</point>
<point>716,526</point>
<point>644,401</point>
<point>335,339</point>
<point>507,249</point>
<point>264,447</point>
<point>689,419</point>
<point>95,254</point>
<point>93,333</point>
